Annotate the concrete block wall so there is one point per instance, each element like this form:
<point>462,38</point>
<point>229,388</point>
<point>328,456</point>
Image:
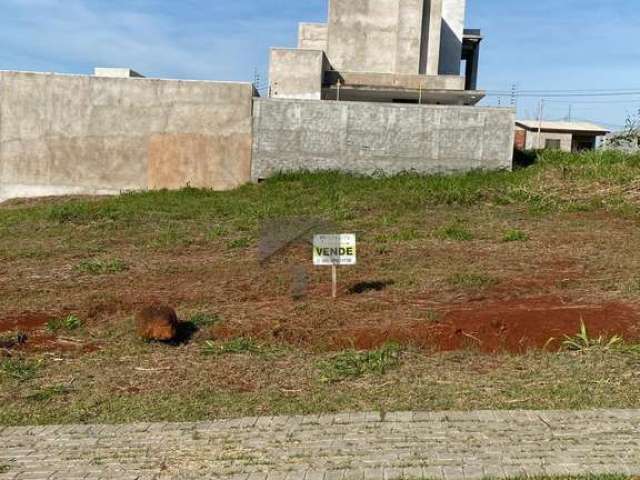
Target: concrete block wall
<point>297,73</point>
<point>65,134</point>
<point>365,138</point>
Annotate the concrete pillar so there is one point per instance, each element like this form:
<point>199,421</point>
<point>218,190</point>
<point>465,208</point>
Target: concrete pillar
<point>431,36</point>
<point>472,67</point>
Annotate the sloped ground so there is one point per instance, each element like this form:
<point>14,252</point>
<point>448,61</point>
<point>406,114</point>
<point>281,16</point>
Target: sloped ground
<point>476,279</point>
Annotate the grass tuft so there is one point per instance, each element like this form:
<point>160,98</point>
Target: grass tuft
<point>102,267</point>
<point>515,236</point>
<point>455,232</point>
<point>203,320</point>
<point>583,342</point>
<point>20,369</point>
<point>68,323</point>
<point>352,364</point>
<point>235,346</point>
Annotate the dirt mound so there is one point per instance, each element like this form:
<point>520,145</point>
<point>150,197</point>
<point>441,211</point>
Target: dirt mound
<point>157,323</point>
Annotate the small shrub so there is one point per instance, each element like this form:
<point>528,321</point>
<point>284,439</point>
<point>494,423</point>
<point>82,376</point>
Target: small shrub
<point>471,280</point>
<point>515,236</point>
<point>204,319</point>
<point>455,232</point>
<point>583,342</point>
<point>4,468</point>
<point>352,364</point>
<point>69,323</point>
<point>101,267</point>
<point>19,369</point>
<point>235,346</point>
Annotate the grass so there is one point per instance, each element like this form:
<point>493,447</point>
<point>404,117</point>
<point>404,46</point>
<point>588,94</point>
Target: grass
<point>20,369</point>
<point>199,251</point>
<point>204,320</point>
<point>68,323</point>
<point>102,267</point>
<point>47,393</point>
<point>352,364</point>
<point>454,232</point>
<point>235,346</point>
<point>471,280</point>
<point>515,235</point>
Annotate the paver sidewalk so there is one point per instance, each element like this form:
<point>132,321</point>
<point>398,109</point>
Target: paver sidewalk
<point>363,446</point>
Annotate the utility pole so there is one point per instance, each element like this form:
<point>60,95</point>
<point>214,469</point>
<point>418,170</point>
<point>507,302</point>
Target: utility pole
<point>514,97</point>
<point>540,116</point>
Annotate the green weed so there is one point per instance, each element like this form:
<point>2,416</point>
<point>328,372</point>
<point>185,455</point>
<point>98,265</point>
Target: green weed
<point>353,364</point>
<point>455,232</point>
<point>102,267</point>
<point>582,341</point>
<point>204,319</point>
<point>20,369</point>
<point>68,323</point>
<point>235,346</point>
<point>47,393</point>
<point>239,243</point>
<point>515,236</point>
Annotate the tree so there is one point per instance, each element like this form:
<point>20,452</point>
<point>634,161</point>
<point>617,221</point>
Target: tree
<point>630,136</point>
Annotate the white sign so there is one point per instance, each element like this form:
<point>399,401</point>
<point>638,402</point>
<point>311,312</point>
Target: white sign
<point>334,250</point>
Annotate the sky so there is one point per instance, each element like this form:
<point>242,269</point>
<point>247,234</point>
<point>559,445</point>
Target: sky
<point>547,45</point>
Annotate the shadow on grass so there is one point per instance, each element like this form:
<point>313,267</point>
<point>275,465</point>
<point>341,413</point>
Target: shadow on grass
<point>375,286</point>
<point>184,334</point>
<point>524,158</point>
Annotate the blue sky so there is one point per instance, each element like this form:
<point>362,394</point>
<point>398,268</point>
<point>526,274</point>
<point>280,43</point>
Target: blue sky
<point>538,44</point>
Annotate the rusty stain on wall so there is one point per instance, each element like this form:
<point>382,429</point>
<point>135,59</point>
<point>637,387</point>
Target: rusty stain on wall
<point>219,162</point>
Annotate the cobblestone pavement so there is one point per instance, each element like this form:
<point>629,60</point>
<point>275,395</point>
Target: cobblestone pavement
<point>362,446</point>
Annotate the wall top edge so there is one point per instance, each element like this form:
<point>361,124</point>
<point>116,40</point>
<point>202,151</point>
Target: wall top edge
<point>133,79</point>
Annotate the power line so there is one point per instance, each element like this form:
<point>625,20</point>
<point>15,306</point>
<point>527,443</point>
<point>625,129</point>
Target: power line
<point>567,95</point>
<point>595,90</point>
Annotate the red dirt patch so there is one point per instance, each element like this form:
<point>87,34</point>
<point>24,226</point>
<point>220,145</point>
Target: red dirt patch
<point>25,322</point>
<point>514,326</point>
<point>37,339</point>
<point>507,326</point>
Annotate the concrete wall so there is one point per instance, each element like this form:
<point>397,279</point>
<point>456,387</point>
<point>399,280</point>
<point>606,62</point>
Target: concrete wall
<point>296,73</point>
<point>368,137</point>
<point>565,140</point>
<point>313,36</point>
<point>63,134</point>
<point>451,36</point>
<point>382,36</point>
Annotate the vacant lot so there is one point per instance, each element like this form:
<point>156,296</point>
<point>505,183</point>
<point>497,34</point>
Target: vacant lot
<point>465,291</point>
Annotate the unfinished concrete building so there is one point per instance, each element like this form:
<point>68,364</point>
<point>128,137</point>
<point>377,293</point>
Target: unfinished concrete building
<point>378,89</point>
<point>402,51</point>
